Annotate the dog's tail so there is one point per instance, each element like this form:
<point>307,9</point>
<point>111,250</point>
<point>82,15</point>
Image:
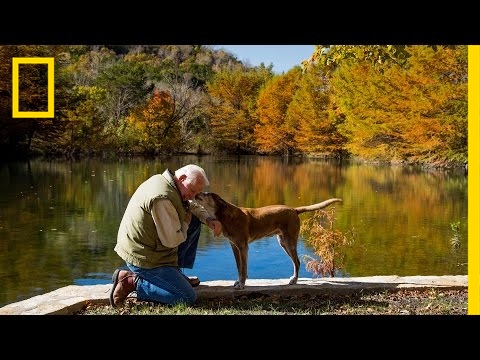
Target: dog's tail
<point>323,204</point>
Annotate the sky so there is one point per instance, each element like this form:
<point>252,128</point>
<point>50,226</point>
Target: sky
<point>283,57</point>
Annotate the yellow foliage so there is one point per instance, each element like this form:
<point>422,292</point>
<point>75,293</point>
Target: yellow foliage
<point>413,112</point>
<point>232,108</point>
<point>312,113</point>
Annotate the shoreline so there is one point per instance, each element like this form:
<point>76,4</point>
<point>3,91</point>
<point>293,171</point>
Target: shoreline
<point>73,298</point>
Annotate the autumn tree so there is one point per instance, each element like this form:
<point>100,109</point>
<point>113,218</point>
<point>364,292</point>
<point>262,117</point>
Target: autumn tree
<point>126,86</point>
<point>79,101</point>
<point>313,111</point>
<point>87,64</point>
<point>153,125</point>
<point>331,56</point>
<point>416,112</point>
<point>84,130</point>
<point>187,100</point>
<point>231,109</point>
<point>275,132</point>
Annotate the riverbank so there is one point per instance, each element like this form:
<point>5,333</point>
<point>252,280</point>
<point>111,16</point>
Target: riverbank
<point>75,299</point>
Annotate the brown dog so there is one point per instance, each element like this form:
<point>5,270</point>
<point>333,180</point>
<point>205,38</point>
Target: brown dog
<point>244,225</point>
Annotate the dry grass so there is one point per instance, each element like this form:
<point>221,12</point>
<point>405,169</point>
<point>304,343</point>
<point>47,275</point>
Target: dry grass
<point>432,301</point>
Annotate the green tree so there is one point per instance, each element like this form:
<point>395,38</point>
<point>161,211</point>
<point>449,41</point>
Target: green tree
<point>126,86</point>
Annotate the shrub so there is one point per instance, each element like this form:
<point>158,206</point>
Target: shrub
<point>329,244</point>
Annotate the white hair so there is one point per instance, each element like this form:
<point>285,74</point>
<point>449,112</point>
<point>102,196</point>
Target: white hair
<point>193,172</point>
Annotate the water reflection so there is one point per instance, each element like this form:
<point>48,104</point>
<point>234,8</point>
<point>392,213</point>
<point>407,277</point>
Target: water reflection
<point>59,219</point>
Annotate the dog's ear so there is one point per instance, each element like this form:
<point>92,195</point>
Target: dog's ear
<point>221,204</point>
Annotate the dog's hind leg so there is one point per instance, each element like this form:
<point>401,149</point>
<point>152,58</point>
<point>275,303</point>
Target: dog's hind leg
<point>290,248</point>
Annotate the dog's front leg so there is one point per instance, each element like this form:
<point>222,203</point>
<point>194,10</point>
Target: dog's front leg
<point>241,262</point>
<point>242,276</point>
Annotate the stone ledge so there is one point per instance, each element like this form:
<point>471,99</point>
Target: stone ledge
<point>73,298</point>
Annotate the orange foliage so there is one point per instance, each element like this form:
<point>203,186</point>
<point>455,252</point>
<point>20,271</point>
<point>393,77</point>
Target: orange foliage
<point>156,123</point>
<point>274,134</point>
<point>411,113</point>
<point>328,243</point>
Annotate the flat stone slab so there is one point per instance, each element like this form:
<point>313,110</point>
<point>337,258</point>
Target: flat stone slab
<point>73,298</point>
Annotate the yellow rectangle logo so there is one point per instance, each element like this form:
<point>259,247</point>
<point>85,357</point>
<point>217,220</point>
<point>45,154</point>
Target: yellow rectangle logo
<point>15,88</point>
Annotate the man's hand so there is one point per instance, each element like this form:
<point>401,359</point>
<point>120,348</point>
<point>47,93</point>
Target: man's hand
<point>215,225</point>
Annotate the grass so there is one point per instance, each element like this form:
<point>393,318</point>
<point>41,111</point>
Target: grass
<point>431,301</point>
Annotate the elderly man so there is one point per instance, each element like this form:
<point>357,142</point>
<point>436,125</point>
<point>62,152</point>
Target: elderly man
<point>158,236</point>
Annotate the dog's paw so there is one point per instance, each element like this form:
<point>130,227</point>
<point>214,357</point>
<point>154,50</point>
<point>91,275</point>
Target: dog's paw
<point>293,280</point>
<point>238,285</point>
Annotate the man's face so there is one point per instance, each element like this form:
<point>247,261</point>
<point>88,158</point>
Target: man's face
<point>189,189</point>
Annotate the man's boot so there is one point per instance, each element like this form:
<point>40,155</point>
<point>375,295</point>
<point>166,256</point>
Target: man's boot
<point>124,282</point>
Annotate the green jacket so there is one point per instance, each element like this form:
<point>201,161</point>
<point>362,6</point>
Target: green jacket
<point>137,239</point>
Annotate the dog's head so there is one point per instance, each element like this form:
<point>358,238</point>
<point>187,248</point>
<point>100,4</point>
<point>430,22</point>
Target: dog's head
<point>212,202</point>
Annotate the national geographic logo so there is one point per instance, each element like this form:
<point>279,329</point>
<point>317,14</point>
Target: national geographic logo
<point>16,113</point>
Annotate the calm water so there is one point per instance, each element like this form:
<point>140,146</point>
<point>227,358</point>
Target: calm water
<point>59,219</point>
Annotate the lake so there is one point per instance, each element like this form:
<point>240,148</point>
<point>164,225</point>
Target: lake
<point>59,218</point>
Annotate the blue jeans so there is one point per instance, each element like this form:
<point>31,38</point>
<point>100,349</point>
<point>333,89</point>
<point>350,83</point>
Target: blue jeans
<point>168,284</point>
